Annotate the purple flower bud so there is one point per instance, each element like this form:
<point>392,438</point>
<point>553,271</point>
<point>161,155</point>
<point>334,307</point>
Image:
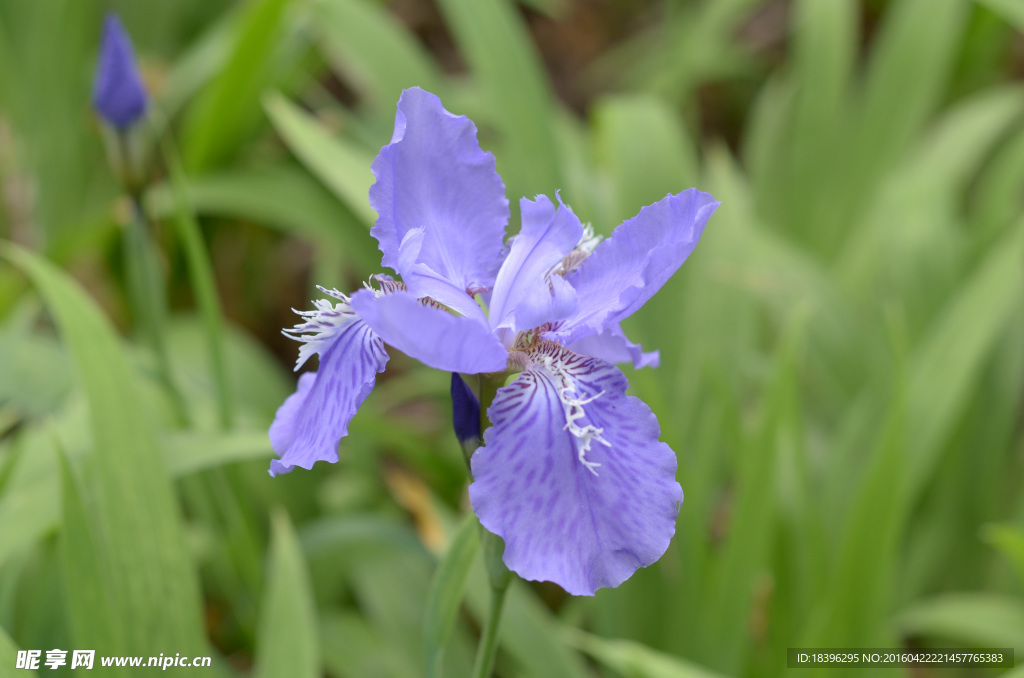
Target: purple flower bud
<point>465,410</point>
<point>118,93</point>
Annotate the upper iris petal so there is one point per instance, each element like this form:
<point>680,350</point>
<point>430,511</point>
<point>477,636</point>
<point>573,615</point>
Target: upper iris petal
<point>433,175</point>
<point>524,295</point>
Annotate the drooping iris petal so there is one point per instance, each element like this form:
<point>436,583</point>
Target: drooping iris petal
<point>431,335</point>
<point>572,475</point>
<point>524,295</point>
<point>314,419</point>
<point>465,410</point>
<point>118,94</point>
<point>434,176</point>
<point>642,253</point>
<point>613,346</point>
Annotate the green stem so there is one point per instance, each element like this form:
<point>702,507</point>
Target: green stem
<point>493,546</point>
<point>147,298</point>
<point>488,647</point>
<point>203,283</point>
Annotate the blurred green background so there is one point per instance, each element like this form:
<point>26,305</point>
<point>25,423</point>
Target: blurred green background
<point>842,357</point>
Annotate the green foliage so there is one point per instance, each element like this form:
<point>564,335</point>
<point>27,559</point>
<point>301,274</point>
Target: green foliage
<point>842,359</point>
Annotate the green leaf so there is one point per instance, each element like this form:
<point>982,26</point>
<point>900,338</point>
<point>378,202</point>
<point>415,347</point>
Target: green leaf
<point>645,151</point>
<point>9,657</point>
<point>511,77</point>
<point>86,580</point>
<point>529,632</point>
<point>973,619</point>
<point>224,112</point>
<point>947,364</point>
<point>154,591</point>
<point>366,42</point>
<point>445,595</point>
<point>281,196</point>
<point>1009,539</point>
<point>204,287</point>
<point>340,165</point>
<point>1011,10</point>
<point>288,641</point>
<point>907,72</point>
<point>634,660</point>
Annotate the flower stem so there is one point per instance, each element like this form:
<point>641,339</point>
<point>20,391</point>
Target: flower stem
<point>489,642</point>
<point>498,575</point>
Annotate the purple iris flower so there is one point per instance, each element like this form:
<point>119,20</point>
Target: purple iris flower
<point>118,93</point>
<point>571,475</point>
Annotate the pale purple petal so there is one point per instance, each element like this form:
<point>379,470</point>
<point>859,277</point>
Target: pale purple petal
<point>423,281</point>
<point>431,335</point>
<point>582,521</point>
<point>524,295</point>
<point>434,176</point>
<point>613,346</point>
<point>642,253</point>
<point>313,420</point>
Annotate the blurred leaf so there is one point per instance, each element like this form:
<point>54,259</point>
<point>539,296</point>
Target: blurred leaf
<point>224,112</point>
<point>642,146</point>
<point>946,365</point>
<point>511,77</point>
<point>367,43</point>
<point>280,196</point>
<point>973,619</point>
<point>204,287</point>
<point>341,166</point>
<point>189,453</point>
<point>288,642</point>
<point>908,68</point>
<point>156,594</point>
<point>86,577</point>
<point>1011,10</point>
<point>742,558</point>
<point>9,657</point>
<point>529,633</point>
<point>353,647</point>
<point>634,660</point>
<point>1009,539</point>
<point>445,595</point>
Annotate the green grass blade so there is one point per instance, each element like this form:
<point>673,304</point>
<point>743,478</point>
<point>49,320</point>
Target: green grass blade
<point>973,619</point>
<point>155,590</point>
<point>367,43</point>
<point>204,287</point>
<point>644,150</point>
<point>86,579</point>
<point>508,70</point>
<point>1009,539</point>
<point>226,110</point>
<point>9,658</point>
<point>445,595</point>
<point>635,659</point>
<point>1011,10</point>
<point>341,166</point>
<point>288,642</point>
<point>947,365</point>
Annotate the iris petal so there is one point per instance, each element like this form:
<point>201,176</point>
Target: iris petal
<point>314,419</point>
<point>642,253</point>
<point>524,295</point>
<point>431,335</point>
<point>613,346</point>
<point>434,176</point>
<point>572,475</point>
